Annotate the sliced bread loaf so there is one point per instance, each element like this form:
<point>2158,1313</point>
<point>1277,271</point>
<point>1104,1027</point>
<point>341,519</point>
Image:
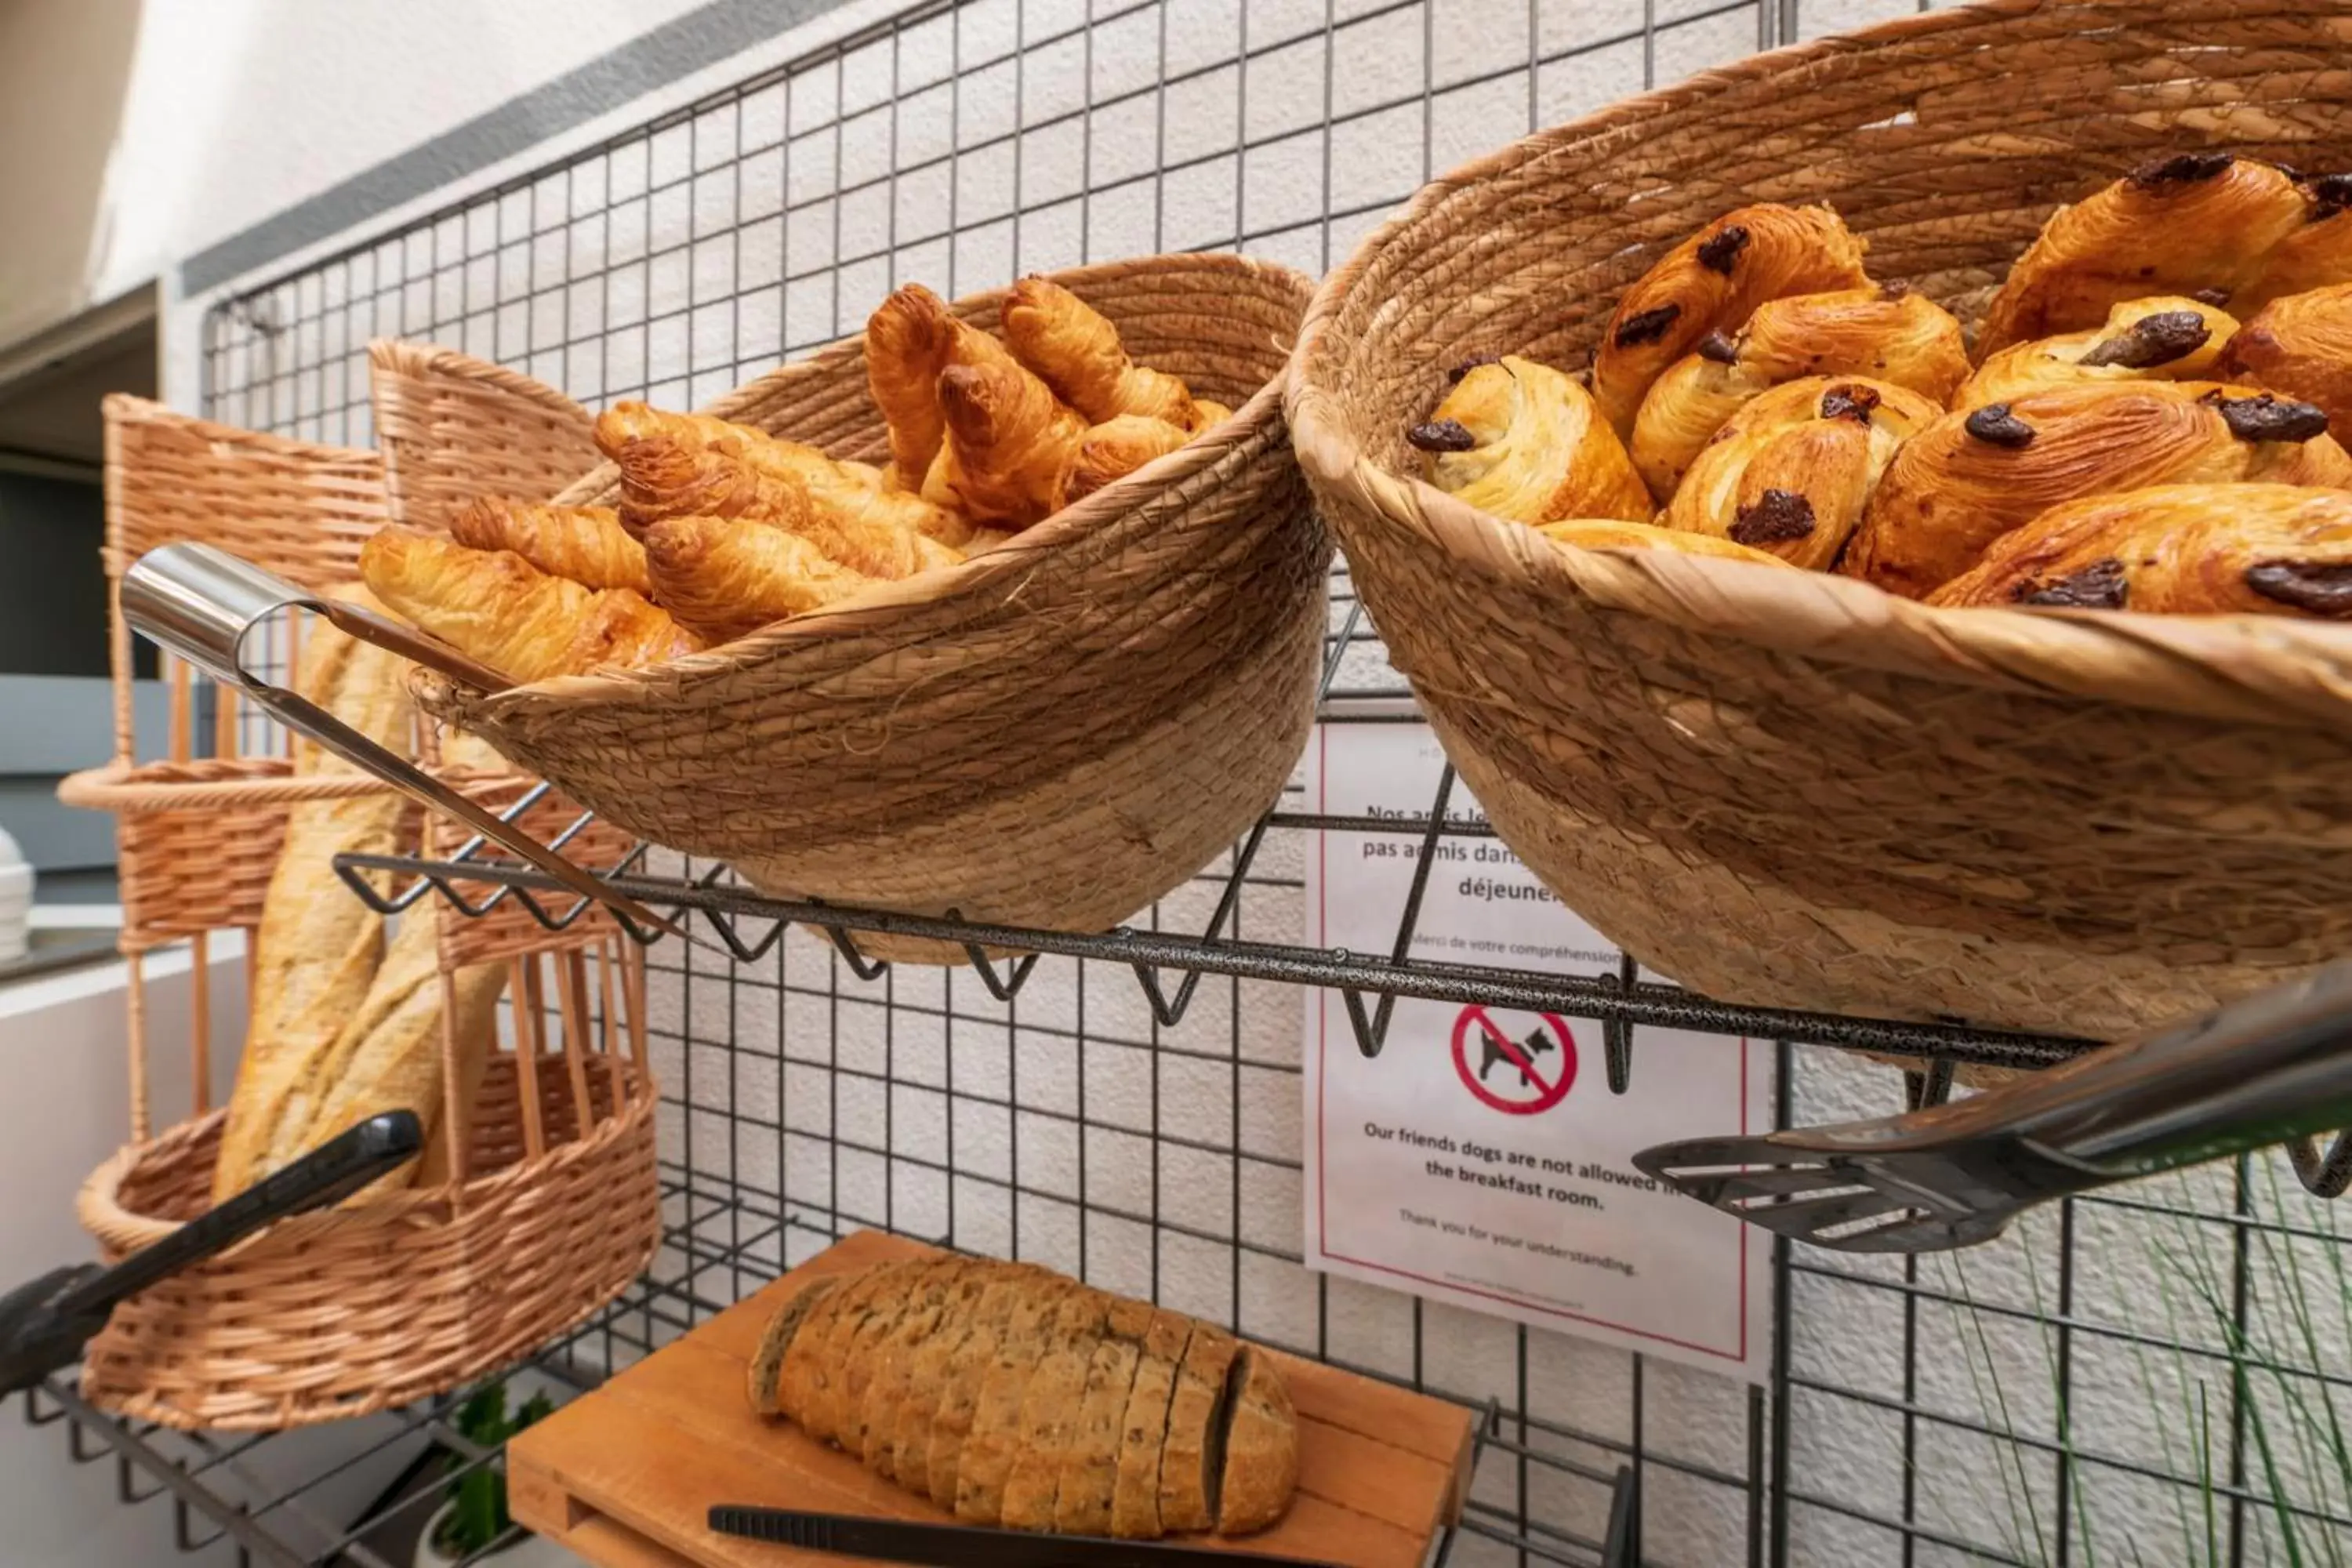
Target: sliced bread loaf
<point>1261,1467</point>
<point>1143,1430</point>
<point>1090,1464</point>
<point>768,1361</point>
<point>1191,1467</point>
<point>1049,1413</point>
<point>980,1424</point>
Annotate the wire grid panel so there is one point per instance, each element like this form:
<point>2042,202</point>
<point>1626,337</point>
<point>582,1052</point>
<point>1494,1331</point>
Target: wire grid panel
<point>2069,1395</point>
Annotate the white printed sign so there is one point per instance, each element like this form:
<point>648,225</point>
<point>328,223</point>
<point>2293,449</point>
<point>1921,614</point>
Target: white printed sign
<point>1480,1158</point>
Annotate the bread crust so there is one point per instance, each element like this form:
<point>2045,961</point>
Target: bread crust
<point>1188,1471</point>
<point>1261,1465</point>
<point>972,1447</point>
<point>767,1365</point>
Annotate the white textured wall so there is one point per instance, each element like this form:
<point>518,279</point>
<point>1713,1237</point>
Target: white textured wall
<point>843,1093</point>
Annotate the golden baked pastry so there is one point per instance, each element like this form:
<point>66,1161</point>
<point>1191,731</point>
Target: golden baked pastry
<point>2235,231</point>
<point>2315,256</point>
<point>1889,335</point>
<point>911,338</point>
<point>1078,355</point>
<point>1790,473</point>
<point>693,465</point>
<point>1112,451</point>
<point>1029,1401</point>
<point>496,607</point>
<point>585,544</point>
<point>1525,442</point>
<point>2166,337</point>
<point>1712,282</point>
<point>1973,475</point>
<point>2249,548</point>
<point>2299,347</point>
<point>724,579</point>
<point>386,1056</point>
<point>317,947</point>
<point>1008,440</point>
<point>1602,533</point>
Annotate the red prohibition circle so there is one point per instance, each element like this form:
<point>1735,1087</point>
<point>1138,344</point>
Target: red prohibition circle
<point>1495,1045</point>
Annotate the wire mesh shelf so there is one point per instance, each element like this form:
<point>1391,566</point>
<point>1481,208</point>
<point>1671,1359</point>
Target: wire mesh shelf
<point>2122,1377</point>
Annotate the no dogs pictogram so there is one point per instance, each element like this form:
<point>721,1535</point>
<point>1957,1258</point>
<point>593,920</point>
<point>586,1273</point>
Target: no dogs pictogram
<point>1510,1072</point>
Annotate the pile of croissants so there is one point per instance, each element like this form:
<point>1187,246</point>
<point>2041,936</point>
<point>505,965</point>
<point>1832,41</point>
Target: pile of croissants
<point>723,529</point>
<point>2144,424</point>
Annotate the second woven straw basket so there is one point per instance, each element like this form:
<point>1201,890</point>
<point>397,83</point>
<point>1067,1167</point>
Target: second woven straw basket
<point>1799,790</point>
<point>1052,734</point>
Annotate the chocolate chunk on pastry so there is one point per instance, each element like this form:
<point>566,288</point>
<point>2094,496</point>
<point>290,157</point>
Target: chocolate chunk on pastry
<point>2201,549</point>
<point>1790,473</point>
<point>2166,337</point>
<point>1969,478</point>
<point>1607,534</point>
<point>1895,336</point>
<point>2236,231</point>
<point>1525,442</point>
<point>1712,282</point>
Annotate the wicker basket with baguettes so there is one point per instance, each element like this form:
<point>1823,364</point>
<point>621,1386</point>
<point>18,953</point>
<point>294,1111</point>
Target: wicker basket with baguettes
<point>2055,730</point>
<point>1009,608</point>
<point>536,1198</point>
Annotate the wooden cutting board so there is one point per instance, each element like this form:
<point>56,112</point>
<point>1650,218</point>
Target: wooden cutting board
<point>625,1476</point>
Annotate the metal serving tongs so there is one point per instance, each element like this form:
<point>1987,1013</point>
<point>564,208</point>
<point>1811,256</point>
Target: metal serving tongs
<point>45,1323</point>
<point>202,603</point>
<point>2269,1068</point>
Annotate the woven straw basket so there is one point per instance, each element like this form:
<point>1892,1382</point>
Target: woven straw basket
<point>360,1308</point>
<point>1801,791</point>
<point>551,1207</point>
<point>1054,733</point>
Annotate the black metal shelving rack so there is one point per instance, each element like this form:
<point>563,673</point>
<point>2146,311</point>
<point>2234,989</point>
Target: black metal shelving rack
<point>960,141</point>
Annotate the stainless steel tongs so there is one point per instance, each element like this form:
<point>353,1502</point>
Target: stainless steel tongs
<point>2266,1068</point>
<point>203,604</point>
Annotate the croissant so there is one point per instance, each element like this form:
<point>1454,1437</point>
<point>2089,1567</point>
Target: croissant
<point>1972,475</point>
<point>2277,550</point>
<point>691,465</point>
<point>724,580</point>
<point>2236,231</point>
<point>585,544</point>
<point>496,607</point>
<point>2301,347</point>
<point>2166,337</point>
<point>1112,451</point>
<point>1525,442</point>
<point>1712,282</point>
<point>1009,438</point>
<point>1210,415</point>
<point>910,339</point>
<point>1889,335</point>
<point>1078,355</point>
<point>1591,534</point>
<point>1790,473</point>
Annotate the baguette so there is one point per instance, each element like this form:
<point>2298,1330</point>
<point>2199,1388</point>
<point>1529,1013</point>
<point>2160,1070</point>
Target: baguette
<point>317,947</point>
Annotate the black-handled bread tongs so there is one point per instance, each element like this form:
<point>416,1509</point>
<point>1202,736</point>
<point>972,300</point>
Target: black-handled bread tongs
<point>970,1545</point>
<point>44,1324</point>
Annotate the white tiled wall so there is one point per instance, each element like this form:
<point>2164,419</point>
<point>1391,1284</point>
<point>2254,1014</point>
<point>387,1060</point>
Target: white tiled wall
<point>676,264</point>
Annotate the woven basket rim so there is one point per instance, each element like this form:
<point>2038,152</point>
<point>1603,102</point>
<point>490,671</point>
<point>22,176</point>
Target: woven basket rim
<point>405,356</point>
<point>129,408</point>
<point>2262,669</point>
<point>1258,417</point>
<point>100,1202</point>
<point>118,785</point>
